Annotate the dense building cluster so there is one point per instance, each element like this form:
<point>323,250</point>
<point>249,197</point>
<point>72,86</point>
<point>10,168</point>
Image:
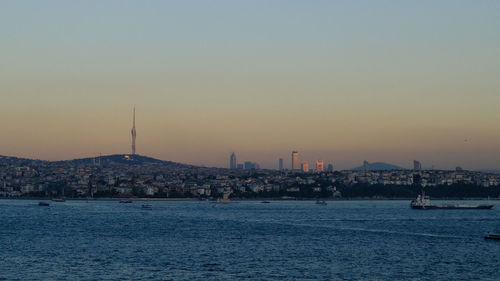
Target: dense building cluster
<point>128,177</point>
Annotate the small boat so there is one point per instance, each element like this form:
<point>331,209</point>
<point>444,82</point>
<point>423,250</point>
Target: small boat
<point>126,201</point>
<point>58,200</point>
<point>492,237</point>
<point>265,202</point>
<point>43,204</point>
<point>147,206</point>
<point>320,202</point>
<point>423,202</point>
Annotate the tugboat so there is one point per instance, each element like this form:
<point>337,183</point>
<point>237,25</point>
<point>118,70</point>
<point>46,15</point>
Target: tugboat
<point>423,202</point>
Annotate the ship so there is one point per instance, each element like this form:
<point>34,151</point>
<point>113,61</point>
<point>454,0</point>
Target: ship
<point>492,237</point>
<point>423,202</point>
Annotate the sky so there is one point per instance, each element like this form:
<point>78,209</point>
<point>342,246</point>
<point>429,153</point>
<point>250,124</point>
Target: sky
<point>341,81</point>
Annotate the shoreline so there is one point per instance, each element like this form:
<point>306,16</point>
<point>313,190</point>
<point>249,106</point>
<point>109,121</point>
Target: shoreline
<point>251,199</point>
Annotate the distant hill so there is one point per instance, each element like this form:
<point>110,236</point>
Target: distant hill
<point>379,166</point>
<point>489,171</point>
<point>123,159</point>
<point>17,160</point>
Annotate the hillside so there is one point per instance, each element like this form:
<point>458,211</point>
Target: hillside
<point>379,166</point>
<point>123,159</point>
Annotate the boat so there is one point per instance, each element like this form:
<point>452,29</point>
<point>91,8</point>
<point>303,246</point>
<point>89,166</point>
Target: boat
<point>147,206</point>
<point>320,202</point>
<point>423,202</point>
<point>492,237</point>
<point>265,202</point>
<point>58,200</point>
<point>126,201</point>
<point>43,204</point>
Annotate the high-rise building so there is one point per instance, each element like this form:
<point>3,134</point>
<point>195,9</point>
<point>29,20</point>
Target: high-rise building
<point>417,166</point>
<point>366,166</point>
<point>133,135</point>
<point>251,165</point>
<point>319,166</point>
<point>304,166</point>
<point>232,161</point>
<point>248,165</point>
<point>295,160</point>
<point>281,164</point>
<point>330,168</point>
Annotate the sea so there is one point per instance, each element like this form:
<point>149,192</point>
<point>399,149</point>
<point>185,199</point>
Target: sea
<point>246,240</point>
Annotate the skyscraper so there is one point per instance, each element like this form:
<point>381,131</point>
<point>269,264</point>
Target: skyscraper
<point>295,160</point>
<point>320,166</point>
<point>251,165</point>
<point>366,166</point>
<point>304,166</point>
<point>281,164</point>
<point>232,161</point>
<point>417,166</point>
<point>133,135</point>
<point>330,168</point>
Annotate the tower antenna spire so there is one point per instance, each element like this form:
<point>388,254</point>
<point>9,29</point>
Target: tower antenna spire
<point>133,134</point>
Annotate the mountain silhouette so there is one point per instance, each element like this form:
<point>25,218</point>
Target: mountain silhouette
<point>105,160</point>
<point>379,166</point>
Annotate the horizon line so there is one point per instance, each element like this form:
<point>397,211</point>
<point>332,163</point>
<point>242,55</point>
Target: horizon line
<point>203,166</point>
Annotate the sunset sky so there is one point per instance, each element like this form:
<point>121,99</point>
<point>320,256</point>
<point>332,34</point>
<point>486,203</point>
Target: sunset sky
<point>341,81</point>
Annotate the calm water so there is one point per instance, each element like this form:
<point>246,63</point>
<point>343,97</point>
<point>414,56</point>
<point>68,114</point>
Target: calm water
<point>293,240</point>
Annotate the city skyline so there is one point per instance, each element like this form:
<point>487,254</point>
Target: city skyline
<point>339,81</point>
<point>269,140</point>
<point>233,164</point>
<point>304,164</point>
